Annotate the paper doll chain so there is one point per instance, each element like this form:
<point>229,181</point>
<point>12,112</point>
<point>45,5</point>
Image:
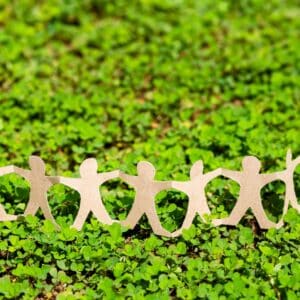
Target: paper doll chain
<point>250,179</point>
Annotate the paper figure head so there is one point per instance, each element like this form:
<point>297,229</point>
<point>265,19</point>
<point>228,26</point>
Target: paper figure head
<point>146,169</point>
<point>251,163</point>
<point>88,167</point>
<point>37,164</point>
<point>197,169</point>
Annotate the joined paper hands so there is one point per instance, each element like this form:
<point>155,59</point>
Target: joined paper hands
<point>146,187</point>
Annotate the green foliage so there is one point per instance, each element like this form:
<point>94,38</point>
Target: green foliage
<point>166,81</point>
<point>101,262</point>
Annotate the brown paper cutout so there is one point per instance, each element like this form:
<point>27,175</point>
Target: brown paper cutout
<point>4,216</point>
<point>39,183</point>
<point>88,188</point>
<point>195,189</point>
<point>251,182</point>
<point>146,188</point>
<point>290,193</point>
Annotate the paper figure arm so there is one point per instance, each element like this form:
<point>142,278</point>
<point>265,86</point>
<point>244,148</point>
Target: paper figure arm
<point>211,175</point>
<point>234,175</point>
<point>54,179</point>
<point>286,174</point>
<point>283,175</point>
<point>70,182</point>
<point>22,172</point>
<point>132,180</point>
<point>7,170</point>
<point>180,185</point>
<point>290,163</point>
<point>162,185</point>
<point>108,175</point>
<point>296,162</point>
<point>267,178</point>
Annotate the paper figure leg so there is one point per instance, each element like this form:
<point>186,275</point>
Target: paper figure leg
<point>133,217</point>
<point>296,206</point>
<point>203,209</point>
<point>294,202</point>
<point>32,208</point>
<point>290,197</point>
<point>6,217</point>
<point>261,216</point>
<point>188,220</point>
<point>81,217</point>
<point>235,216</point>
<point>48,215</point>
<point>155,223</point>
<point>102,215</point>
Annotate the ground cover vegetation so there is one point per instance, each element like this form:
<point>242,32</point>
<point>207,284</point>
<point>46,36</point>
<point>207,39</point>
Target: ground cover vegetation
<point>170,82</point>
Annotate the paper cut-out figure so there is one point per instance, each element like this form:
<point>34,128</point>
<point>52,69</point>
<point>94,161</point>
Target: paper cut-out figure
<point>3,215</point>
<point>250,179</point>
<point>290,193</point>
<point>195,189</point>
<point>146,188</point>
<point>88,188</point>
<point>251,182</point>
<point>39,185</point>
